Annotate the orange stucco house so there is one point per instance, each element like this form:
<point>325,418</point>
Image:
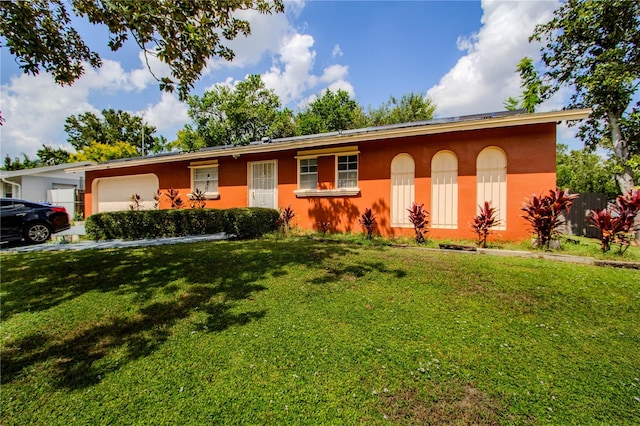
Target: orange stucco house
<point>449,165</point>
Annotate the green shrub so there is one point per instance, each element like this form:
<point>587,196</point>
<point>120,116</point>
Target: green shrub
<point>250,222</point>
<point>140,224</point>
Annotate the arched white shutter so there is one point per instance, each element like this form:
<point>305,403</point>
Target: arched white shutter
<point>491,177</point>
<point>402,189</point>
<point>444,190</point>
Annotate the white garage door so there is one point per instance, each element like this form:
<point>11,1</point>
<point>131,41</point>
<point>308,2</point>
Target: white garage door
<point>114,194</point>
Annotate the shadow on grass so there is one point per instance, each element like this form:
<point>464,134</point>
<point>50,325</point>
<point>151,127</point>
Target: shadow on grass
<point>356,271</point>
<point>166,285</point>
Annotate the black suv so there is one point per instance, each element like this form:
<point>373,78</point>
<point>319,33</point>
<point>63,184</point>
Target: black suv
<point>33,222</point>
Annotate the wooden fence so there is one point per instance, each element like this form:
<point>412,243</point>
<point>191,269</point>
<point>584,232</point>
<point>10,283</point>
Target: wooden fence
<point>576,221</point>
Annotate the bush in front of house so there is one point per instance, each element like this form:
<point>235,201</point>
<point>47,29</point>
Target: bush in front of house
<point>140,224</point>
<point>544,213</point>
<point>616,223</point>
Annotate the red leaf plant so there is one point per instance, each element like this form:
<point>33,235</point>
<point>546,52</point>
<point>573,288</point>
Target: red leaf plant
<point>286,215</point>
<point>544,213</point>
<point>616,223</point>
<point>418,217</point>
<point>368,220</point>
<point>198,199</point>
<point>174,196</point>
<point>484,221</point>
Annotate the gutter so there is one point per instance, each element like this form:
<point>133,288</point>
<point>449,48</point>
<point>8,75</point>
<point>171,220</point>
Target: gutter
<point>19,192</point>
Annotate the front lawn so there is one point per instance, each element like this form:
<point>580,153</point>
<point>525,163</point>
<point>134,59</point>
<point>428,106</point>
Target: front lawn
<point>296,331</point>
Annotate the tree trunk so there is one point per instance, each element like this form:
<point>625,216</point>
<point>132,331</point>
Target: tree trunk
<point>621,151</point>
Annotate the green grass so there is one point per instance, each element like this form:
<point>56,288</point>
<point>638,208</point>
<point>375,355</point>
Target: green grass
<point>298,331</point>
<point>572,245</point>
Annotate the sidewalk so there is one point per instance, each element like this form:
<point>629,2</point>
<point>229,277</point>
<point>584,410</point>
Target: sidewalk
<point>110,244</point>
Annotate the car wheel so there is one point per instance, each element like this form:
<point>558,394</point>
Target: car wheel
<point>37,233</point>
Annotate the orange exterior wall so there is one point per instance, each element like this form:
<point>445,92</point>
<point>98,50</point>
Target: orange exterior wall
<point>530,152</point>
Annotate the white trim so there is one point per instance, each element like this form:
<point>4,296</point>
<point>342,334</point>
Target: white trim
<point>338,192</point>
<point>207,195</point>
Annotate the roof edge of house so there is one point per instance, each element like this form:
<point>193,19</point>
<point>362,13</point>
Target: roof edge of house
<point>474,122</point>
<point>46,169</point>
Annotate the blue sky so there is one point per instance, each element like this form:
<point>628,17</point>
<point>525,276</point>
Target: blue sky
<point>461,54</point>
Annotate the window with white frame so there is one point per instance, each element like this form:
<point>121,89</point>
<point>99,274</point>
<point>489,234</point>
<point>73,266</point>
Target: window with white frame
<point>347,176</point>
<point>308,173</point>
<point>205,178</point>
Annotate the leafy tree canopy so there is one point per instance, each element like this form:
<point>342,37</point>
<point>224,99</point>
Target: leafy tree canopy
<point>235,115</point>
<point>532,88</point>
<point>47,156</point>
<point>112,128</point>
<point>584,171</point>
<point>101,152</point>
<point>409,108</point>
<point>330,112</point>
<point>182,34</point>
<point>594,48</point>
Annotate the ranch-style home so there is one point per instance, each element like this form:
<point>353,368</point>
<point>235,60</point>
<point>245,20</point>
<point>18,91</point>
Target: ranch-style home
<point>450,165</point>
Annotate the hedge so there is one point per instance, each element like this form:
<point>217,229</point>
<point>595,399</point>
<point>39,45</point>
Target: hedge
<point>240,223</point>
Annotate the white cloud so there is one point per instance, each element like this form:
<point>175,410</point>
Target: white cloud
<point>483,78</point>
<point>336,51</point>
<point>294,7</point>
<point>291,76</point>
<point>166,114</point>
<point>35,107</point>
<point>267,31</point>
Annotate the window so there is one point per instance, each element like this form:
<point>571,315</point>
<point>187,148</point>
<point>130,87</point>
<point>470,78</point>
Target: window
<point>347,171</point>
<point>491,177</point>
<point>402,189</point>
<point>444,190</point>
<point>8,190</point>
<point>308,173</point>
<point>205,178</point>
<point>328,172</point>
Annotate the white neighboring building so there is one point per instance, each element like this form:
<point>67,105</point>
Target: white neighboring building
<point>51,184</point>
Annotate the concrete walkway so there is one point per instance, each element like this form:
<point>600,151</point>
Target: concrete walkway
<point>85,245</point>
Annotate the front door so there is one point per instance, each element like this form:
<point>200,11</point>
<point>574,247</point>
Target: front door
<point>263,184</point>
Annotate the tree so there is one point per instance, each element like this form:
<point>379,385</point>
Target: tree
<point>584,171</point>
<point>112,128</point>
<point>331,112</point>
<point>411,107</point>
<point>101,152</point>
<point>17,164</point>
<point>512,104</point>
<point>49,156</point>
<point>532,88</point>
<point>594,48</point>
<point>235,115</point>
<point>182,34</point>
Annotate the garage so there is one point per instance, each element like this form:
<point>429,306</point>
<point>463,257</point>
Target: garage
<point>114,193</point>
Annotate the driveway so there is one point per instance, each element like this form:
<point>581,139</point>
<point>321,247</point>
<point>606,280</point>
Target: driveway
<point>64,244</point>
